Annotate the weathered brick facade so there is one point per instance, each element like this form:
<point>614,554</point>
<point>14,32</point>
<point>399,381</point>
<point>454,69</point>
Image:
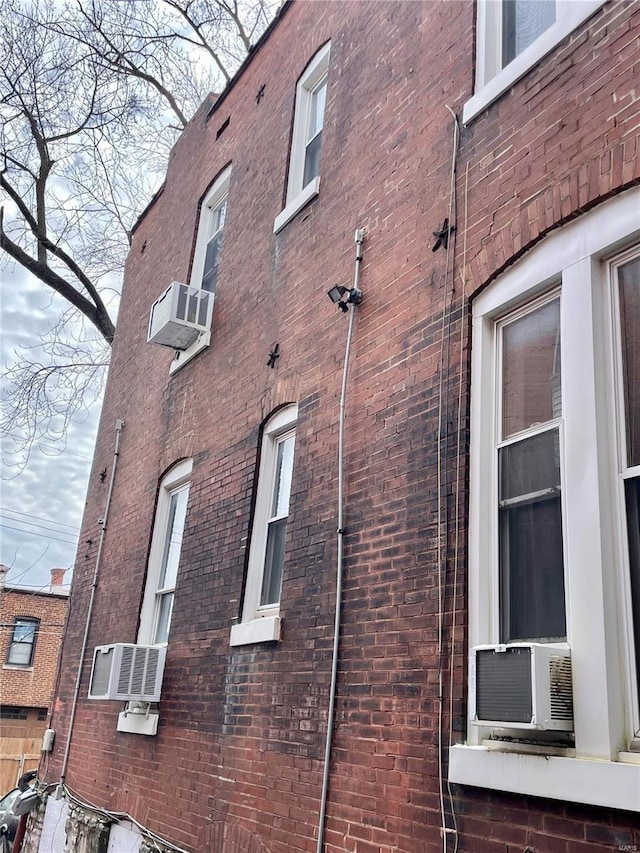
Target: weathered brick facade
<point>31,686</point>
<point>236,764</point>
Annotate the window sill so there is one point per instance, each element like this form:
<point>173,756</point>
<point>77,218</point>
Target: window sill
<point>503,80</point>
<point>264,630</point>
<point>184,356</point>
<point>611,784</point>
<point>18,667</point>
<point>301,200</point>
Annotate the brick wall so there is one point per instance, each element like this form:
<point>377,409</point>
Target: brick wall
<point>31,687</point>
<point>237,760</point>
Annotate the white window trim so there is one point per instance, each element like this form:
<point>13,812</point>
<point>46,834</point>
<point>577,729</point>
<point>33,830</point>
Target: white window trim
<point>598,772</point>
<point>304,197</point>
<point>262,624</point>
<point>218,192</point>
<point>177,477</point>
<point>26,620</point>
<point>491,80</point>
<point>297,195</point>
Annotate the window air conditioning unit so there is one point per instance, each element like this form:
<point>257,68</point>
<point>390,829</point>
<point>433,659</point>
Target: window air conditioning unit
<point>521,686</point>
<point>127,672</point>
<point>179,316</point>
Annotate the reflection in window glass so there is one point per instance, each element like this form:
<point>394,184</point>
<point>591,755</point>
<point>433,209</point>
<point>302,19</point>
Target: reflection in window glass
<point>629,280</point>
<point>277,524</point>
<point>23,642</point>
<point>522,22</point>
<point>170,562</point>
<point>214,246</point>
<point>314,134</point>
<point>531,389</point>
<point>532,602</point>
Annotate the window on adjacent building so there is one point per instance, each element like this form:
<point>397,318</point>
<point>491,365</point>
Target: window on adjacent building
<point>512,36</point>
<point>554,547</point>
<point>260,614</point>
<point>306,140</point>
<point>23,641</point>
<point>164,556</point>
<point>12,712</point>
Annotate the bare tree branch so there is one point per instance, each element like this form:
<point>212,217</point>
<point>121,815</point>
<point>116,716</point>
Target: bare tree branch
<point>89,91</point>
<point>95,313</point>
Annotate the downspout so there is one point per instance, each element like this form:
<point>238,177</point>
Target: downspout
<point>359,239</point>
<point>94,586</point>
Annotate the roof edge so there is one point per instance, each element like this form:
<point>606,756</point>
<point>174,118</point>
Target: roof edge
<point>284,6</point>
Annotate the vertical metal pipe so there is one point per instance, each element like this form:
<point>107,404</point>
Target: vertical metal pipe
<point>94,585</point>
<point>340,538</point>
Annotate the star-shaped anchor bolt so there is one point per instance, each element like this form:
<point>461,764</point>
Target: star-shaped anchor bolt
<point>442,236</point>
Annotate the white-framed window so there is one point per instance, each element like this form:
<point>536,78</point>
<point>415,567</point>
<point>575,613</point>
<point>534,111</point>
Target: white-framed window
<point>208,248</point>
<point>308,122</point>
<point>514,35</point>
<point>554,535</point>
<point>164,555</point>
<point>23,641</point>
<point>528,457</point>
<point>261,609</point>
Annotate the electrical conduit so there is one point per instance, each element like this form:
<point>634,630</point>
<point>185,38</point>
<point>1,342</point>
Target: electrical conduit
<point>94,585</point>
<point>359,239</point>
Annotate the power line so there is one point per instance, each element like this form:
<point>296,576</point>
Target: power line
<point>38,517</point>
<point>44,530</point>
<point>57,450</point>
<point>42,535</point>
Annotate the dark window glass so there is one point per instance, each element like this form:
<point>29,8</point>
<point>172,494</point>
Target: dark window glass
<point>272,578</point>
<point>277,524</point>
<point>629,279</point>
<point>314,134</point>
<point>170,561</point>
<point>522,22</point>
<point>214,246</point>
<point>11,712</point>
<point>211,261</point>
<point>632,495</point>
<point>532,603</point>
<point>23,642</point>
<point>312,160</point>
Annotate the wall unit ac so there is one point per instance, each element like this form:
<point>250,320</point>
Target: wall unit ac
<point>179,316</point>
<point>127,672</point>
<point>521,686</point>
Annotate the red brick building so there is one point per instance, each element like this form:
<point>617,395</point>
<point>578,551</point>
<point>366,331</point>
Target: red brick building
<point>31,630</point>
<point>476,512</point>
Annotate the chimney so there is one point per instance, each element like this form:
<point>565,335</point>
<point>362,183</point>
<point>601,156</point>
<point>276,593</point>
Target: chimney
<point>57,578</point>
<point>3,574</point>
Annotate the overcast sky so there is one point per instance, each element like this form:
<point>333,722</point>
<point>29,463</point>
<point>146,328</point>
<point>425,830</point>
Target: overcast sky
<point>41,507</point>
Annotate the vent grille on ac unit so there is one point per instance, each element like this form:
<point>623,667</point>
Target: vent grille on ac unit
<point>522,686</point>
<point>180,315</point>
<point>504,685</point>
<point>153,661</point>
<point>561,697</point>
<point>128,672</point>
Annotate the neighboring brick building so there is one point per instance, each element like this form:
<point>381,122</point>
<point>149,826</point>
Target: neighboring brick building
<point>31,631</point>
<point>491,449</point>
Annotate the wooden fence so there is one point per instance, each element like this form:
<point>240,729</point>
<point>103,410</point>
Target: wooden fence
<point>17,755</point>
